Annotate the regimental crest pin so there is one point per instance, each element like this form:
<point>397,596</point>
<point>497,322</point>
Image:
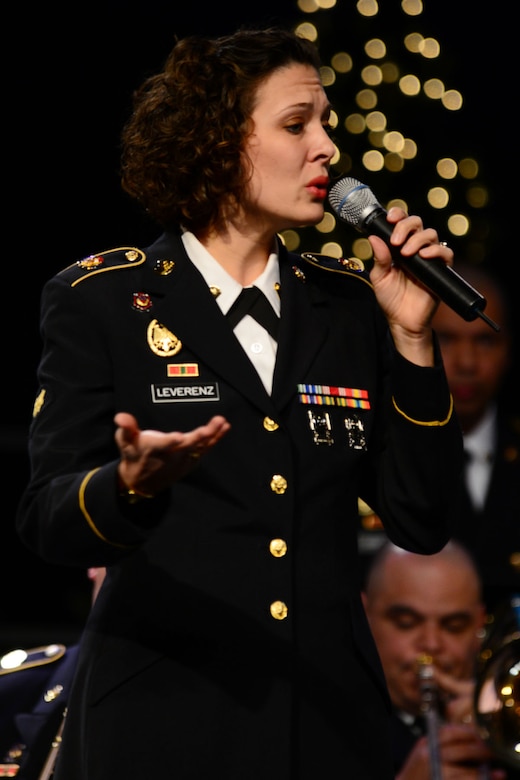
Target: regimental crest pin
<point>92,261</point>
<point>161,340</point>
<point>164,267</point>
<point>141,301</point>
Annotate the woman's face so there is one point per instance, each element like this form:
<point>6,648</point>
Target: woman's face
<point>290,150</point>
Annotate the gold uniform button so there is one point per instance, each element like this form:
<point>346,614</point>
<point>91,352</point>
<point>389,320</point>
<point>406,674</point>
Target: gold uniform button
<point>277,548</point>
<point>278,484</point>
<point>278,610</point>
<point>270,424</point>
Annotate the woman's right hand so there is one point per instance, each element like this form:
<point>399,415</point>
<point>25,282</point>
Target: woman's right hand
<point>153,460</point>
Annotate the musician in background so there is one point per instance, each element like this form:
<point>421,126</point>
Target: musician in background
<point>431,607</point>
<point>34,688</point>
<point>478,363</point>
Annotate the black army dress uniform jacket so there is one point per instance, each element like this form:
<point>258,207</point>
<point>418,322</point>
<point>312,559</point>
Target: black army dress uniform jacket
<point>229,638</point>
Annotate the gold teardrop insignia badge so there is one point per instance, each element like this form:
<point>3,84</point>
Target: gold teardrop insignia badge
<point>161,340</point>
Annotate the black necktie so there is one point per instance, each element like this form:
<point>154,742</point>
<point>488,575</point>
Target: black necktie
<point>252,301</point>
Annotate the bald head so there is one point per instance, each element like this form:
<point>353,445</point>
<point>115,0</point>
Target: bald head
<point>394,566</point>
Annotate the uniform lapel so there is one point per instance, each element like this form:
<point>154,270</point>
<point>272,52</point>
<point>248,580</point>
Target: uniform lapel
<point>303,329</point>
<point>185,305</point>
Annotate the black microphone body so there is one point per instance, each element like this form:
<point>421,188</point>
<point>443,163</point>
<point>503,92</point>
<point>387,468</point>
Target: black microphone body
<point>354,202</point>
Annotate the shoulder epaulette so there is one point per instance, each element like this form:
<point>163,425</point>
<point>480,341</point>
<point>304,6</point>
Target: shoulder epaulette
<point>352,266</point>
<point>117,259</point>
<point>18,660</point>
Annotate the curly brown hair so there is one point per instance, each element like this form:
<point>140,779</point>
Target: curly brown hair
<point>182,148</point>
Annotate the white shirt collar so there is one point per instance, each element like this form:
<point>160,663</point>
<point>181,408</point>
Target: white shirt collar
<point>216,276</point>
<point>480,443</point>
<point>406,717</point>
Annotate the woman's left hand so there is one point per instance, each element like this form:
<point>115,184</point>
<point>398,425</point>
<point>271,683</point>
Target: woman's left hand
<point>408,305</point>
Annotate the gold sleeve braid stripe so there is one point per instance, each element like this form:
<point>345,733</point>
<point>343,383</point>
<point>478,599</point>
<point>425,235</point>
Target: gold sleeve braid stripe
<point>87,516</point>
<point>429,423</point>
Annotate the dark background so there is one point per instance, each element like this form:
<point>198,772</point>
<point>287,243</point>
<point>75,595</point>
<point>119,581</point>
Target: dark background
<point>67,85</point>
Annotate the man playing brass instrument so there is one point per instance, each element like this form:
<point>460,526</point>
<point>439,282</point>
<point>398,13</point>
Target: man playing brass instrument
<point>431,607</point>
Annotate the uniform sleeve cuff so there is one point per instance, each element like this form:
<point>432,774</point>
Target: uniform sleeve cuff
<point>421,393</point>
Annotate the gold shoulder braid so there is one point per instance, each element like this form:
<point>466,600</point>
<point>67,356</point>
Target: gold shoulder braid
<point>119,259</point>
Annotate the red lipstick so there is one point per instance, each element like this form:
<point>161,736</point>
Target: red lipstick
<point>318,186</point>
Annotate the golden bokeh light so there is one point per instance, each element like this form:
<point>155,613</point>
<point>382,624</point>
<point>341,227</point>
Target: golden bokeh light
<point>452,100</point>
<point>387,92</point>
<point>409,150</point>
<point>328,76</point>
<point>373,160</point>
<point>458,224</point>
<point>366,99</point>
<point>332,249</point>
<point>413,42</point>
<point>394,162</point>
<point>447,168</point>
<point>393,141</point>
<point>430,48</point>
<point>412,7</point>
<point>434,89</point>
<point>477,196</point>
<point>362,248</point>
<point>367,7</point>
<point>390,72</point>
<point>307,30</point>
<point>327,224</point>
<point>341,62</point>
<point>438,197</point>
<point>355,123</point>
<point>376,120</point>
<point>291,239</point>
<point>372,75</point>
<point>410,84</point>
<point>308,6</point>
<point>375,49</point>
<point>468,168</point>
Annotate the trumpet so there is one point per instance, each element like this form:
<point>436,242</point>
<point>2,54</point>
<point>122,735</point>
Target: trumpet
<point>497,694</point>
<point>430,709</point>
<point>48,768</point>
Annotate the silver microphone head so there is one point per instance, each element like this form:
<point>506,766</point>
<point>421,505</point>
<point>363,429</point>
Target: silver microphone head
<point>352,201</point>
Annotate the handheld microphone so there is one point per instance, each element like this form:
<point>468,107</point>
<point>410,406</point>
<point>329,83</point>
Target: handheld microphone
<point>355,203</point>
